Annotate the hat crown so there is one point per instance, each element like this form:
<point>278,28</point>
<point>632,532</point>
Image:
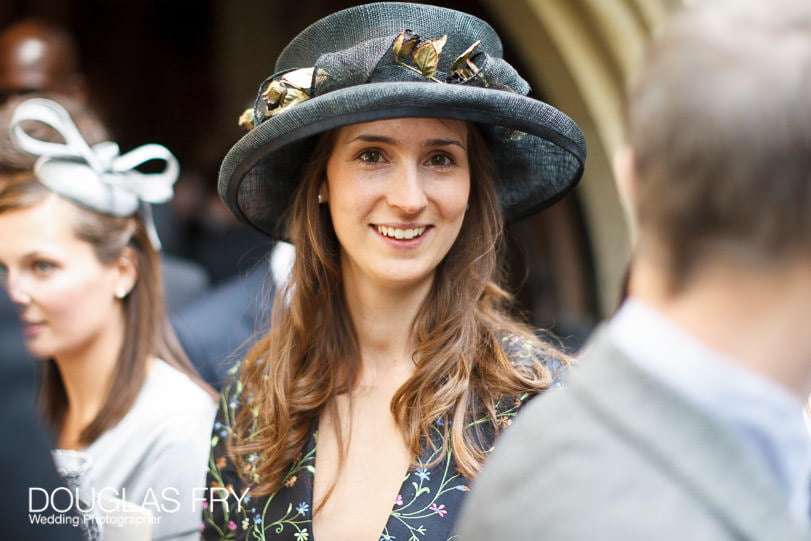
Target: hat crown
<point>385,42</point>
<point>385,20</point>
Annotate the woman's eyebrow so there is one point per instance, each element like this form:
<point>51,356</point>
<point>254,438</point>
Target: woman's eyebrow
<point>443,143</point>
<point>371,138</point>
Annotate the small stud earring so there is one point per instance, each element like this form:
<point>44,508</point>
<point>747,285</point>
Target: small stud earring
<point>120,293</point>
<point>320,199</point>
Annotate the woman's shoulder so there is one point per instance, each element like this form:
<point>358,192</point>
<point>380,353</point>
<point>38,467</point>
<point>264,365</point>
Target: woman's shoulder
<point>232,399</point>
<point>170,412</point>
<point>526,351</point>
<point>174,401</point>
<point>232,392</point>
<point>171,382</point>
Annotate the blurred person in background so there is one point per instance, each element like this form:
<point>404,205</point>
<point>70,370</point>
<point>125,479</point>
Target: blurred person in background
<point>38,57</point>
<point>684,418</point>
<point>78,257</point>
<point>25,460</point>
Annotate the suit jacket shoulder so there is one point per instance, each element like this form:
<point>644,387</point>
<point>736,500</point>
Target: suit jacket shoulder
<point>617,455</point>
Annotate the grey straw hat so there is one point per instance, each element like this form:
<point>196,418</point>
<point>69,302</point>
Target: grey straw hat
<point>391,60</point>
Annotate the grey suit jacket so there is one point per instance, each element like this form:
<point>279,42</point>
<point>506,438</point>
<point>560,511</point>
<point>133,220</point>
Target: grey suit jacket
<point>618,456</point>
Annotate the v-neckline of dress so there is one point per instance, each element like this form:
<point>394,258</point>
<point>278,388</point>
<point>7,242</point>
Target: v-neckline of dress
<point>426,509</point>
<point>312,447</point>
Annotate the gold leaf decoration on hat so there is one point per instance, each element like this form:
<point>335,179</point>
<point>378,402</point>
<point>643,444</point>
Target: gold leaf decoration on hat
<point>274,93</point>
<point>426,56</point>
<point>300,79</point>
<point>246,119</point>
<point>463,67</point>
<point>293,87</point>
<point>404,44</point>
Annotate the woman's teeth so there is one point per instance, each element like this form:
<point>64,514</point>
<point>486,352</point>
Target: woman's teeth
<point>397,233</point>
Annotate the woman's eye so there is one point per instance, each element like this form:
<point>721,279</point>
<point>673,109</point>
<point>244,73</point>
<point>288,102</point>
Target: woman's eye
<point>43,267</point>
<point>371,156</point>
<point>440,160</point>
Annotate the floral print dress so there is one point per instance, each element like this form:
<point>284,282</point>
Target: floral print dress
<point>425,509</point>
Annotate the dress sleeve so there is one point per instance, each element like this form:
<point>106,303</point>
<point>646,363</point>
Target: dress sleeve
<point>225,491</point>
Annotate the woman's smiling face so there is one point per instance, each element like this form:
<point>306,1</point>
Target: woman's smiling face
<point>397,192</point>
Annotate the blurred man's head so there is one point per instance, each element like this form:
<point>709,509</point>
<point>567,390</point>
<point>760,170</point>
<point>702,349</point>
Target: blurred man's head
<point>36,56</point>
<point>720,135</point>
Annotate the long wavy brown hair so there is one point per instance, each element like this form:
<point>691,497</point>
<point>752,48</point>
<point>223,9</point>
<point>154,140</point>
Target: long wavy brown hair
<point>147,331</point>
<point>311,353</point>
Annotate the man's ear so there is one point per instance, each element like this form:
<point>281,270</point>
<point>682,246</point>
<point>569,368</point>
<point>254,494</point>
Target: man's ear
<point>624,167</point>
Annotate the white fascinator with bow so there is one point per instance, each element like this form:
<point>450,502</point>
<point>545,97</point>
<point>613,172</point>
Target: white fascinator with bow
<point>97,177</point>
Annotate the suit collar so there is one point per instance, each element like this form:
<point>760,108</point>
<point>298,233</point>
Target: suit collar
<point>764,415</point>
<point>730,479</point>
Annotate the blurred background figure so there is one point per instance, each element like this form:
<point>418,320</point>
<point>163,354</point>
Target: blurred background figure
<point>684,417</point>
<point>217,329</point>
<point>202,242</point>
<point>129,415</point>
<point>38,56</point>
<point>25,459</point>
<point>34,56</point>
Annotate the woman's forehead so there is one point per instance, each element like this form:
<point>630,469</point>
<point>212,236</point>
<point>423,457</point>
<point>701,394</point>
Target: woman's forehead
<point>46,223</point>
<point>397,129</point>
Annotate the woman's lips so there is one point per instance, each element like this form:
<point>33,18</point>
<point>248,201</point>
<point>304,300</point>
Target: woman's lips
<point>403,236</point>
<point>31,328</point>
<point>401,233</point>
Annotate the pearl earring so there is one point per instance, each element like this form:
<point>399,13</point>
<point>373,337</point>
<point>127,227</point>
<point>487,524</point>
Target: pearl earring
<point>320,199</point>
<point>120,293</point>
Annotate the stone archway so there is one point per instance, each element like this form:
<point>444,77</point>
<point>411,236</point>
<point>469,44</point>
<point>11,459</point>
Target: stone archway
<point>579,54</point>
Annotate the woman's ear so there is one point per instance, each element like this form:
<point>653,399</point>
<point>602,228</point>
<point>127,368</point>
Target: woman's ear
<point>323,192</point>
<point>126,270</point>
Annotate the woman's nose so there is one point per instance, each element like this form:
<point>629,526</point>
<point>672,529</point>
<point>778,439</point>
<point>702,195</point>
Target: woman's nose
<point>407,191</point>
<point>17,290</point>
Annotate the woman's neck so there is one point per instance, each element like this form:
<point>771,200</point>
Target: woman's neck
<point>382,318</point>
<point>87,374</point>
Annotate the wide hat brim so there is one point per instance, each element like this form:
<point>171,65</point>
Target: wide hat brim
<point>538,152</point>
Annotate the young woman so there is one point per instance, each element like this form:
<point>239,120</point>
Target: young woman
<point>78,259</point>
<point>389,147</point>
